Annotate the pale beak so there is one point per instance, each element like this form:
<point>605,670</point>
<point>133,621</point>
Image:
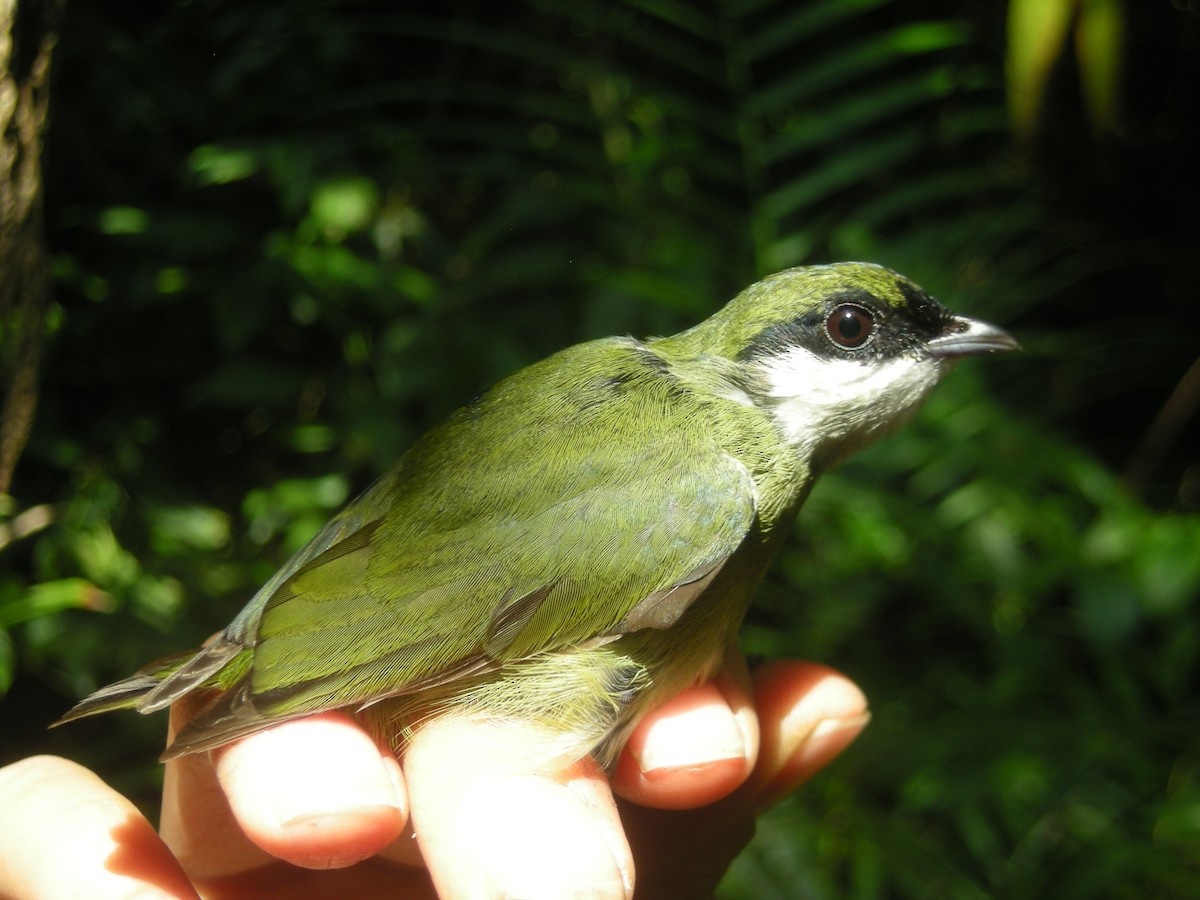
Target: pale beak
<point>971,337</point>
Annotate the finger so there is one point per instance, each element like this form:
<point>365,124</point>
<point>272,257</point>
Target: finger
<point>808,714</point>
<point>316,792</point>
<point>489,825</point>
<point>65,833</point>
<point>696,748</point>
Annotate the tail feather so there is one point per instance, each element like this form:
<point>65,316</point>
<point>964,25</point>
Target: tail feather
<point>161,683</point>
<point>126,693</point>
<point>196,671</point>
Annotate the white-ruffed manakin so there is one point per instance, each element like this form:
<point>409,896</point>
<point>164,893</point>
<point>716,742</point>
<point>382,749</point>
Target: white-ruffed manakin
<point>581,542</point>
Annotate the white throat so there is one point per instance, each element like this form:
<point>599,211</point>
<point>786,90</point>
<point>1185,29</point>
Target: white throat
<point>837,405</point>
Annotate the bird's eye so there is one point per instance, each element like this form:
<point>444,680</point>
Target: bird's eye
<point>850,327</point>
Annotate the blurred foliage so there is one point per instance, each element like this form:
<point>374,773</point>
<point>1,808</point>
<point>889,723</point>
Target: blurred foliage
<point>1038,33</point>
<point>287,238</point>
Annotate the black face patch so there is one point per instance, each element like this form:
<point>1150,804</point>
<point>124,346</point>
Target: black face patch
<point>929,318</point>
<point>895,330</point>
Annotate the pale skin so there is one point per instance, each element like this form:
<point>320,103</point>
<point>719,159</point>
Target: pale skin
<point>315,808</point>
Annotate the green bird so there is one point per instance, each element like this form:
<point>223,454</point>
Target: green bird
<point>581,542</point>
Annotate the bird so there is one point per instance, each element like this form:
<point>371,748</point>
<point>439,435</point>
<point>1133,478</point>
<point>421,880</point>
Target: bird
<point>579,543</point>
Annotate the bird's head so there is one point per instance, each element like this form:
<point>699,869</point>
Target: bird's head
<point>840,354</point>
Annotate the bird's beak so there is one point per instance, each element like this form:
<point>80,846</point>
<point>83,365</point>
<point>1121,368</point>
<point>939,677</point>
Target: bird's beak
<point>970,337</point>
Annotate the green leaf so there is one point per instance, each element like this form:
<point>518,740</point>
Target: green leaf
<point>123,220</point>
<point>218,164</point>
<point>50,597</point>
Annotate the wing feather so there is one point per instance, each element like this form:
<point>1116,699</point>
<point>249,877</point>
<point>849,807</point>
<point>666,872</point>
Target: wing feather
<point>459,561</point>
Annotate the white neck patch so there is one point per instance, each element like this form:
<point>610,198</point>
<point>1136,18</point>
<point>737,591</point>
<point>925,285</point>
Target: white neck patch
<point>820,401</point>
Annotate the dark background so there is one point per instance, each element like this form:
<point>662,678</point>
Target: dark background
<point>288,237</point>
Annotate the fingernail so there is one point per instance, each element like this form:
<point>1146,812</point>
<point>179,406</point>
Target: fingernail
<point>826,735</point>
<point>832,726</point>
<point>363,794</point>
<point>395,777</point>
<point>341,819</point>
<point>374,800</point>
<point>703,734</point>
<point>348,798</point>
<point>809,750</point>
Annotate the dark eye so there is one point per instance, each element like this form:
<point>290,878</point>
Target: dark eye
<point>850,326</point>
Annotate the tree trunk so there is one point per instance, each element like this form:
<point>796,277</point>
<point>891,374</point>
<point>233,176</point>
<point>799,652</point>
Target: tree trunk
<point>27,36</point>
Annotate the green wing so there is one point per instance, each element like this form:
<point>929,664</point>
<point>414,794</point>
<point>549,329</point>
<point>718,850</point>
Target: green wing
<point>548,514</point>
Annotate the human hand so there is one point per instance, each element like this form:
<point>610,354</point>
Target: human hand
<point>314,807</point>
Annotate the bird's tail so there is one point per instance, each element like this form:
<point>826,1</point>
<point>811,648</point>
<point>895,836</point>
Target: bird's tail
<point>128,692</point>
<point>161,683</point>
